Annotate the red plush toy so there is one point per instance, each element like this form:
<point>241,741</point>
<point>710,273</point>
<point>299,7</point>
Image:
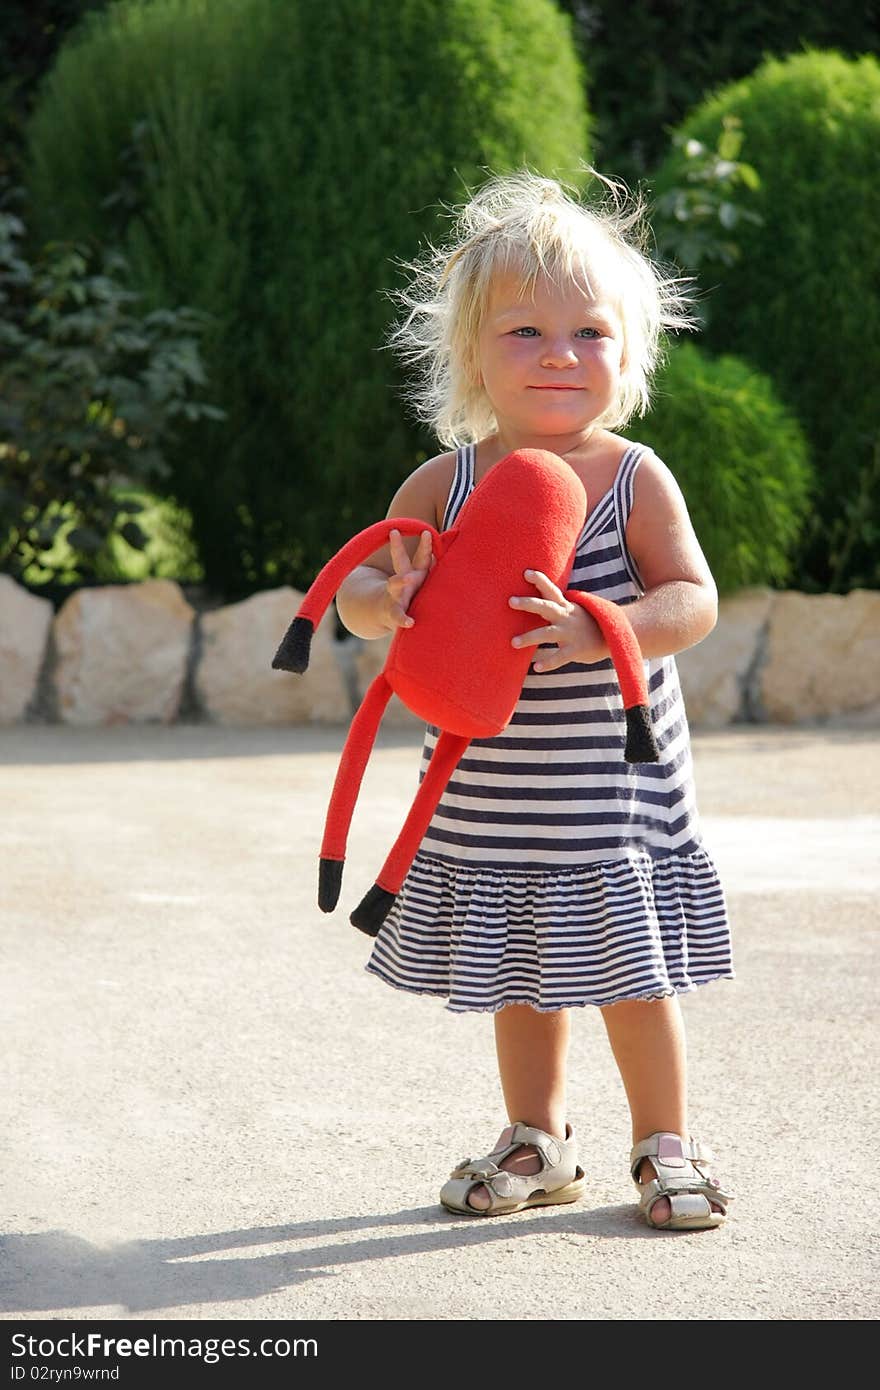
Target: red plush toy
<point>455,667</point>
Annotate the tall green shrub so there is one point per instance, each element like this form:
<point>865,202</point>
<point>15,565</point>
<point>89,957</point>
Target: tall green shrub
<point>739,457</point>
<point>276,158</point>
<point>800,302</point>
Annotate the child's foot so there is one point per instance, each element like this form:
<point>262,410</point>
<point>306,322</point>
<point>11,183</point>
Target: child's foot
<point>525,1161</point>
<point>525,1153</point>
<point>661,1211</point>
<point>678,1188</point>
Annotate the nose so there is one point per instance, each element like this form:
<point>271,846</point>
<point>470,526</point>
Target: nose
<point>558,353</point>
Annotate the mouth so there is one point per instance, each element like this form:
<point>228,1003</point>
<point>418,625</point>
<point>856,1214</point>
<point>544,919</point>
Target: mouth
<point>556,387</point>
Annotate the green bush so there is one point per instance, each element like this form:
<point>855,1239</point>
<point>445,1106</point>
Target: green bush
<point>277,158</point>
<point>740,459</point>
<point>650,61</point>
<point>800,302</point>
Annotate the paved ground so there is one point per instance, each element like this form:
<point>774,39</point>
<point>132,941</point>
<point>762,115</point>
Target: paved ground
<point>212,1111</point>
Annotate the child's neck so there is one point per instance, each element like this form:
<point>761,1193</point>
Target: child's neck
<point>582,442</point>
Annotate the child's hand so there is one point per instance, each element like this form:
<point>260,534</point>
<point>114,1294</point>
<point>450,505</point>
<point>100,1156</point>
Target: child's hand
<point>408,577</point>
<point>575,633</point>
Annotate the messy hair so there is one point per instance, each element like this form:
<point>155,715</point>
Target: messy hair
<point>530,226</point>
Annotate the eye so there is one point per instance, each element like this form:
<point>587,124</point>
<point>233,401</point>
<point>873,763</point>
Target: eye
<point>589,332</point>
<point>525,332</point>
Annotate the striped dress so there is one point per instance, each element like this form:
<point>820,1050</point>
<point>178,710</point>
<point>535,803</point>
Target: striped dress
<point>553,873</point>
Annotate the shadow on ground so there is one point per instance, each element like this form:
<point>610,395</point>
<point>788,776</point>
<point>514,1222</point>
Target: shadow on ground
<point>56,1270</point>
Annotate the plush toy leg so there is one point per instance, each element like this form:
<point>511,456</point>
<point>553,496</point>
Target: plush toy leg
<point>641,745</point>
<point>371,912</point>
<point>293,652</point>
<point>349,775</point>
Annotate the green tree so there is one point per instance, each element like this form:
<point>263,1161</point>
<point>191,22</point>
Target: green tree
<point>797,302</point>
<point>278,157</point>
<point>650,61</point>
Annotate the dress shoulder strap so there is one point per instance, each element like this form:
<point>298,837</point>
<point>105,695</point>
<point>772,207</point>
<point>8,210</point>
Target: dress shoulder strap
<point>622,492</point>
<point>462,483</point>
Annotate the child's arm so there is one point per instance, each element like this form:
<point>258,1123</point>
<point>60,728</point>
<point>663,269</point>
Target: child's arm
<point>374,599</point>
<point>680,604</point>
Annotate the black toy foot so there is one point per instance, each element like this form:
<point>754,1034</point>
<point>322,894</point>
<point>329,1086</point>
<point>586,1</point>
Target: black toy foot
<point>372,910</point>
<point>329,883</point>
<point>296,645</point>
<point>641,745</point>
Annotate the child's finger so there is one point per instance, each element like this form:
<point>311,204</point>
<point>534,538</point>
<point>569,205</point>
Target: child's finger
<point>399,616</point>
<point>544,607</point>
<point>399,553</point>
<point>546,586</point>
<point>534,638</point>
<point>552,659</point>
<point>424,551</point>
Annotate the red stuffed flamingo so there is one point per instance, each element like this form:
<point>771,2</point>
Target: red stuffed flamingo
<point>456,668</point>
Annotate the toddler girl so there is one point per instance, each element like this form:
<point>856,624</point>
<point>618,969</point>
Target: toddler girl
<point>553,874</point>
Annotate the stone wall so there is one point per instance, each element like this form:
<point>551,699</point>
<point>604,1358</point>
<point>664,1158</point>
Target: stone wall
<point>144,653</point>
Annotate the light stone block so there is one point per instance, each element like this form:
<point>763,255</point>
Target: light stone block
<point>25,622</point>
<point>122,653</point>
<point>823,657</point>
<point>234,679</point>
<point>715,672</point>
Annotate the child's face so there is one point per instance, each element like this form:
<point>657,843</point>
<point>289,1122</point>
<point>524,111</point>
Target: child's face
<point>550,356</point>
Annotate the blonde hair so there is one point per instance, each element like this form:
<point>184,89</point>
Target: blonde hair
<point>531,226</point>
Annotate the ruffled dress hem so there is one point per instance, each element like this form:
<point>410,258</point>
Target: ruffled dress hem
<point>486,937</point>
<point>548,1008</point>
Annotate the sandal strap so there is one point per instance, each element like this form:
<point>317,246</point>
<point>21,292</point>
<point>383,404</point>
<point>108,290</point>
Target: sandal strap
<point>552,1151</point>
<point>682,1169</point>
<point>475,1168</point>
<point>682,1187</point>
<point>686,1205</point>
<point>670,1151</point>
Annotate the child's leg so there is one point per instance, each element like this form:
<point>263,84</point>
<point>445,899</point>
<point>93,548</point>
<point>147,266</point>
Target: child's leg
<point>532,1053</point>
<point>648,1041</point>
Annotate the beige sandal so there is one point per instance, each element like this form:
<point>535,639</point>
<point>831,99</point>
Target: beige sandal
<point>684,1177</point>
<point>560,1178</point>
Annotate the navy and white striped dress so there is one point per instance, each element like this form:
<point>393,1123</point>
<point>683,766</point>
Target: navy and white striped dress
<point>553,873</point>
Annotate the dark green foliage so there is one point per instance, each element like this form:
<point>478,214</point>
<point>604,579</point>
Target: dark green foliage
<point>650,61</point>
<point>277,158</point>
<point>740,459</point>
<point>30,33</point>
<point>90,391</point>
<point>801,302</point>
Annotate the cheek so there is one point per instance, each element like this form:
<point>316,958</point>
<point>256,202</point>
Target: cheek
<point>497,366</point>
<point>608,353</point>
<point>608,359</point>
